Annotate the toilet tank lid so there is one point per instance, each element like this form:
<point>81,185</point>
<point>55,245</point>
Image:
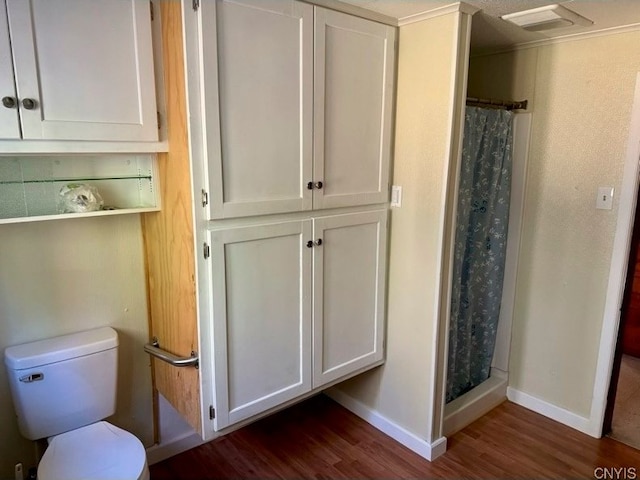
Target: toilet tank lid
<point>57,349</point>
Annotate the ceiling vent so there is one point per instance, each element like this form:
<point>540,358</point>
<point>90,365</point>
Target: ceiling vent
<point>547,18</point>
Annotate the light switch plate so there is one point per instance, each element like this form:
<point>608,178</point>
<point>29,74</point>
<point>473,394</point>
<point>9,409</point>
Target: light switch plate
<point>605,198</point>
<point>396,196</point>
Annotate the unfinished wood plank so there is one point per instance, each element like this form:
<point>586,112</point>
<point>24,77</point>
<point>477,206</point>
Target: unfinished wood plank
<point>169,236</point>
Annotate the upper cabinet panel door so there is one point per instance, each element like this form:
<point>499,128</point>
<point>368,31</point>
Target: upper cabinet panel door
<point>258,61</point>
<point>353,102</point>
<point>9,126</point>
<point>84,70</point>
<point>261,279</point>
<point>349,285</point>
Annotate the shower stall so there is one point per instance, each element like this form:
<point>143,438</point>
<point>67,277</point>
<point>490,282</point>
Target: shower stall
<point>487,238</point>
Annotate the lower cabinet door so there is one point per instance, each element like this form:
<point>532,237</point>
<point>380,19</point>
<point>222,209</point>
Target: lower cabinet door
<point>261,281</point>
<point>349,298</point>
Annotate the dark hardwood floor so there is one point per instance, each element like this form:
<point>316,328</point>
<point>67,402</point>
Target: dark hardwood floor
<point>320,439</point>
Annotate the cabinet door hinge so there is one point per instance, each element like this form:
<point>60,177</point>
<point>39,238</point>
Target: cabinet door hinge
<point>205,198</point>
<point>195,4</point>
<point>206,250</point>
<point>151,8</point>
<point>212,412</point>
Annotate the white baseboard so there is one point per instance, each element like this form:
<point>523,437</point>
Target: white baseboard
<point>551,411</point>
<point>173,446</point>
<point>430,451</point>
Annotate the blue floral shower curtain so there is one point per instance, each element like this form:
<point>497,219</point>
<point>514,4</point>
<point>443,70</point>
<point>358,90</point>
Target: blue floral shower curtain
<point>480,247</point>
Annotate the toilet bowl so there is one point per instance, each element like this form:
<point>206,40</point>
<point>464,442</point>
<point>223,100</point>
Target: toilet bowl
<point>97,451</point>
<point>63,388</point>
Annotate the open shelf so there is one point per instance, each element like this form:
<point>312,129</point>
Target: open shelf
<point>30,186</point>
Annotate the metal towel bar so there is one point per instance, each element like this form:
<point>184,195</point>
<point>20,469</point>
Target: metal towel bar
<point>154,350</point>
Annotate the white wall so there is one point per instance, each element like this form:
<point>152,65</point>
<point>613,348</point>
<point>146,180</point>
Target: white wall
<point>581,94</point>
<point>63,276</point>
<point>402,390</point>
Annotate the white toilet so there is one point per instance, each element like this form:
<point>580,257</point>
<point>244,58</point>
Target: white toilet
<point>62,388</point>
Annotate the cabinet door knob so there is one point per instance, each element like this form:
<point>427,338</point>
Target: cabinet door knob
<point>318,184</point>
<point>9,102</point>
<point>309,244</point>
<point>318,242</point>
<point>310,186</point>
<point>29,103</point>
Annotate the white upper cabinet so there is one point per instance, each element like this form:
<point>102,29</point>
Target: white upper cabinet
<point>298,111</point>
<point>353,102</point>
<point>83,70</point>
<point>258,64</point>
<point>8,110</point>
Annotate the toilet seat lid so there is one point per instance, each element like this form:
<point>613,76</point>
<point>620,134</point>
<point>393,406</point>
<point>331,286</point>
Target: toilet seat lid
<point>99,451</point>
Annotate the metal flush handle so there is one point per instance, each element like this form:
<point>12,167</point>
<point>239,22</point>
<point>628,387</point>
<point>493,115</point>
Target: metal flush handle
<point>9,102</point>
<point>32,377</point>
<point>154,350</point>
<point>29,103</point>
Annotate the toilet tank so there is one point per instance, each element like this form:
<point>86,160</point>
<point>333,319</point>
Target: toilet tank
<point>63,383</point>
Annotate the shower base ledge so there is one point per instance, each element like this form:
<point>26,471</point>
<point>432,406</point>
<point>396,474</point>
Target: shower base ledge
<point>475,403</point>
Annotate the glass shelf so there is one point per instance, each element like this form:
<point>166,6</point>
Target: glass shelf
<point>74,180</point>
<point>30,186</point>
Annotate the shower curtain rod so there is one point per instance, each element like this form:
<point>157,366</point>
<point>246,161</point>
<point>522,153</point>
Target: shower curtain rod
<point>504,104</point>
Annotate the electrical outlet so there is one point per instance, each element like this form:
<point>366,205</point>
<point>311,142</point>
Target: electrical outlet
<point>604,201</point>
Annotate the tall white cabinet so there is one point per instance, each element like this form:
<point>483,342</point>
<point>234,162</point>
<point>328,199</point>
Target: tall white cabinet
<point>291,121</point>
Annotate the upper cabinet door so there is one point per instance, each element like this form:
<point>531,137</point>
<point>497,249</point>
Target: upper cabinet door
<point>349,285</point>
<point>353,102</point>
<point>261,278</point>
<point>8,114</point>
<point>84,70</point>
<point>258,62</point>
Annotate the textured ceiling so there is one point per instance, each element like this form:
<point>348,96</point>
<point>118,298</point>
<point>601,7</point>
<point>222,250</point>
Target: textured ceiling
<point>490,32</point>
